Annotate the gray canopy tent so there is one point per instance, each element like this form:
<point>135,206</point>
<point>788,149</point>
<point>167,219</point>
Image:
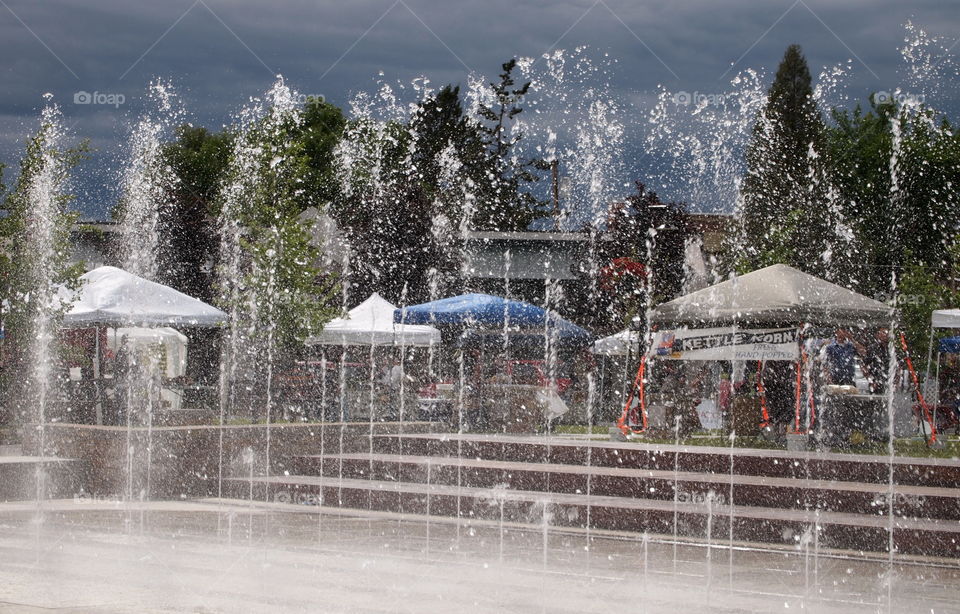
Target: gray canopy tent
<point>777,296</point>
<point>773,296</point>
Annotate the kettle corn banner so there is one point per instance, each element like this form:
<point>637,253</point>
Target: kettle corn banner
<point>726,344</point>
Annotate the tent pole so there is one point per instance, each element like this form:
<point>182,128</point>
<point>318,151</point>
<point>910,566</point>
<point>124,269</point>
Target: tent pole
<point>936,400</point>
<point>603,370</point>
<point>926,375</point>
<point>626,371</point>
<point>97,371</point>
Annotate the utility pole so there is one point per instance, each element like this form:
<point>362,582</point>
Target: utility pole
<point>555,174</point>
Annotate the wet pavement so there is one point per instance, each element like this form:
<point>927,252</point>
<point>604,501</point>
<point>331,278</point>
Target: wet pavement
<point>213,556</point>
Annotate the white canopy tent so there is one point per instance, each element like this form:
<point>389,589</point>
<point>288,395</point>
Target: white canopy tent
<point>371,323</point>
<point>619,344</point>
<point>756,316</point>
<point>945,318</point>
<point>940,318</point>
<point>773,296</point>
<point>112,297</point>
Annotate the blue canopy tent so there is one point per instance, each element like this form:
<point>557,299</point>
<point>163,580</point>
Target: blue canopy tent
<point>484,314</point>
<point>950,345</point>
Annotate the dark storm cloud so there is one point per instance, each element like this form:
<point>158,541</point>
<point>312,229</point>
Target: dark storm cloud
<point>218,53</point>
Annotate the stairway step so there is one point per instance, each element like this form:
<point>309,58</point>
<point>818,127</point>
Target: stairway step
<point>709,519</point>
<point>853,497</point>
<point>18,477</point>
<point>830,466</point>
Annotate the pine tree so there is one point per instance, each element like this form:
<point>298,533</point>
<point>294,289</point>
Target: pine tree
<point>502,201</point>
<point>788,211</point>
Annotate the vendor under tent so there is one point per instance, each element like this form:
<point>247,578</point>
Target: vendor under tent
<point>760,316</point>
<point>493,315</point>
<point>173,342</point>
<point>112,298</point>
<point>166,341</point>
<point>940,319</point>
<point>372,323</point>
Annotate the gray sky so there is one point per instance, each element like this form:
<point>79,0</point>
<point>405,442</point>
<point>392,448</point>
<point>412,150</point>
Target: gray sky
<point>220,53</point>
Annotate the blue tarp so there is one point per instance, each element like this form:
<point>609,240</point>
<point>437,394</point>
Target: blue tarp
<point>484,310</point>
<point>950,345</point>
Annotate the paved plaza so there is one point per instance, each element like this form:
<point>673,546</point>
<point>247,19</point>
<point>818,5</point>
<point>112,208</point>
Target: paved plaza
<point>215,556</point>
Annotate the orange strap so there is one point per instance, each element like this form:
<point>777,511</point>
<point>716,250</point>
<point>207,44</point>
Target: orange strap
<point>813,405</point>
<point>762,392</point>
<point>927,415</point>
<point>803,358</point>
<point>623,422</point>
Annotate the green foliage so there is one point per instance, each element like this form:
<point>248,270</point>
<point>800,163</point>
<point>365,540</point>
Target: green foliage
<point>321,127</point>
<point>397,211</point>
<point>200,161</point>
<point>914,221</point>
<point>411,189</point>
<point>197,160</point>
<point>920,291</point>
<point>445,136</point>
<point>26,270</point>
<point>266,176</point>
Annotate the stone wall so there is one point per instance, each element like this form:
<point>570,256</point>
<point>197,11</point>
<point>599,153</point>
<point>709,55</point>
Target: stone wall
<point>175,462</point>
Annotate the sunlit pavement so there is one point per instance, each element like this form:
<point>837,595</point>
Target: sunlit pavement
<point>236,557</point>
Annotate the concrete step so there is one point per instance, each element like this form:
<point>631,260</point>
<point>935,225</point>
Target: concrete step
<point>686,486</point>
<point>22,477</point>
<point>828,466</point>
<point>709,520</point>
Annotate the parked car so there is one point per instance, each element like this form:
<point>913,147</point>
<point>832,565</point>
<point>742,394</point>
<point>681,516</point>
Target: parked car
<point>534,373</point>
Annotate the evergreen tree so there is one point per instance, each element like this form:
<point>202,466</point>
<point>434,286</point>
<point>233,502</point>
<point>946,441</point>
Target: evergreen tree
<point>503,203</point>
<point>391,210</point>
<point>789,211</point>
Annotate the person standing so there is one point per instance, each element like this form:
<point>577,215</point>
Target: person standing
<point>840,354</point>
<point>876,360</point>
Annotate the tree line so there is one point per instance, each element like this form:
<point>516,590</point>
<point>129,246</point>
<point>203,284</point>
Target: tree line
<point>865,197</point>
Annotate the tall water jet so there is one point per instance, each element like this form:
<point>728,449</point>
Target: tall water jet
<point>267,263</point>
<point>41,205</point>
<point>38,284</point>
<point>146,183</point>
<point>146,186</point>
